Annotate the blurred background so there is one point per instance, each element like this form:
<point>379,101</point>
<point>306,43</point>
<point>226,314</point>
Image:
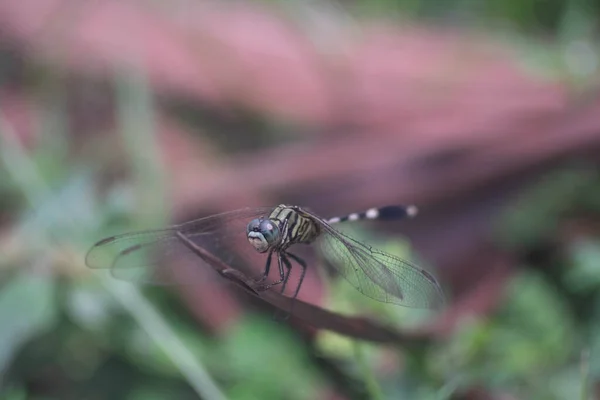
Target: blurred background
<point>119,116</point>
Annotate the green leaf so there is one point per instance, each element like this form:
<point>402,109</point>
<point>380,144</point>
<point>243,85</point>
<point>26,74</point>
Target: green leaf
<point>90,306</point>
<point>268,363</point>
<point>27,308</point>
<point>535,217</point>
<point>585,274</point>
<point>13,393</point>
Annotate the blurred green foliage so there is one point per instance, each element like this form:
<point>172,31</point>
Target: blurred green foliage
<point>541,16</point>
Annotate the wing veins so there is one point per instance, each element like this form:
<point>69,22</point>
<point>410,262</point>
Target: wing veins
<point>397,280</point>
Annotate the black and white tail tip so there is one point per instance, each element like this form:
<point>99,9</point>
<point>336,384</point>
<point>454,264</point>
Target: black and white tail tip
<point>382,213</point>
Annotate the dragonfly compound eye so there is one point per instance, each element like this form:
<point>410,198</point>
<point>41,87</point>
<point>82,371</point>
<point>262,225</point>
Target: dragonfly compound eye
<point>262,234</point>
<point>253,226</point>
<point>270,230</point>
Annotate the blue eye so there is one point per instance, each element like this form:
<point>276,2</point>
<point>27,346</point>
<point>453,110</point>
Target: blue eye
<point>253,226</point>
<point>269,230</point>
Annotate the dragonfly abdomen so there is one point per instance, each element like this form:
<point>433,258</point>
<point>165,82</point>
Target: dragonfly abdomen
<point>381,213</point>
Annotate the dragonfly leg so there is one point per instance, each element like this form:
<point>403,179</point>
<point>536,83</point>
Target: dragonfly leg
<point>286,314</point>
<point>302,274</point>
<point>281,275</point>
<point>288,265</point>
<point>267,269</point>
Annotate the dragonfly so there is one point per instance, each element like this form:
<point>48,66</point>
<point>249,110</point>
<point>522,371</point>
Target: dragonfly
<point>273,232</point>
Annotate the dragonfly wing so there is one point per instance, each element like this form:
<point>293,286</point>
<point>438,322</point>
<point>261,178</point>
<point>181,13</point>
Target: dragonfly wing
<point>379,275</point>
<point>145,256</point>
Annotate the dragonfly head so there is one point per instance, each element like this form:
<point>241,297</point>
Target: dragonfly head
<point>262,234</point>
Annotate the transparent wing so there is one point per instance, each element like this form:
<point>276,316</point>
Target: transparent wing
<point>379,275</point>
<point>146,256</point>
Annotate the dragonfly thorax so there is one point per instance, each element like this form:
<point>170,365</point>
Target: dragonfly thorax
<point>263,234</point>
